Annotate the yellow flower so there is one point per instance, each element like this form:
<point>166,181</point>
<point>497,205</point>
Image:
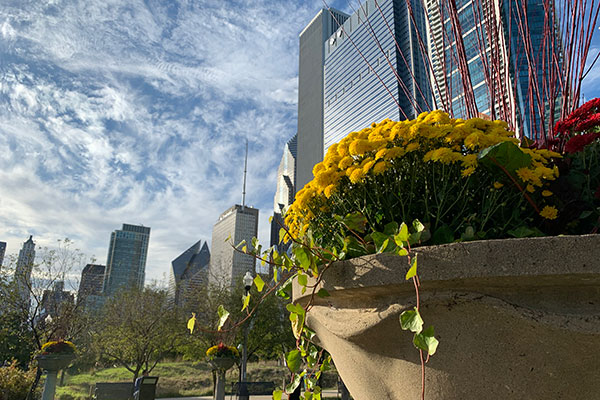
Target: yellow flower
<point>318,168</point>
<point>467,171</point>
<point>525,174</point>
<point>546,193</point>
<point>530,188</point>
<point>549,212</point>
<point>356,175</point>
<point>394,152</point>
<point>379,167</point>
<point>412,147</point>
<point>359,147</point>
<point>498,185</point>
<point>367,166</point>
<point>381,153</point>
<point>329,190</point>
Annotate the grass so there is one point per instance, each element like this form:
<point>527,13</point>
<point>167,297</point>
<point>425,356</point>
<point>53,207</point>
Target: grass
<point>177,379</point>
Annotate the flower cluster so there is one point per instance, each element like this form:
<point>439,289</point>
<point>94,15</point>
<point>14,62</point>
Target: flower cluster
<point>382,152</point>
<point>221,350</point>
<point>58,347</point>
<point>580,128</point>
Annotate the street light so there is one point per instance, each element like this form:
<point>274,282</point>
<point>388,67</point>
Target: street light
<point>243,394</point>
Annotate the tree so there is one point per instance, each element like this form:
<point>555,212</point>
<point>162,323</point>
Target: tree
<point>136,329</point>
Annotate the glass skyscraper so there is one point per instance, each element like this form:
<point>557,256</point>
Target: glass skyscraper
<point>505,69</point>
<point>361,57</point>
<point>126,262</point>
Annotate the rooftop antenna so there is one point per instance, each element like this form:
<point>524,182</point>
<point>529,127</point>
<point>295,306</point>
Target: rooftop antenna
<point>245,170</point>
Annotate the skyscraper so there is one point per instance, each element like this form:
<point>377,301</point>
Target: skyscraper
<point>2,252</point>
<point>23,271</point>
<point>126,261</point>
<point>286,187</point>
<point>228,265</point>
<point>90,286</point>
<point>375,68</point>
<point>55,300</point>
<point>189,273</point>
<point>310,91</point>
<point>503,68</point>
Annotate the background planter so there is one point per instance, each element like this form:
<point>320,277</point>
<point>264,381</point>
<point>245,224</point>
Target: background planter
<point>222,363</point>
<point>54,362</point>
<point>516,319</point>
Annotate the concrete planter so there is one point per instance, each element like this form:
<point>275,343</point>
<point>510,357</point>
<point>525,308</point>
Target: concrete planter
<point>54,362</point>
<point>222,363</point>
<point>516,319</point>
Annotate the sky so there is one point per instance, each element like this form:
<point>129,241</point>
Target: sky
<point>131,111</point>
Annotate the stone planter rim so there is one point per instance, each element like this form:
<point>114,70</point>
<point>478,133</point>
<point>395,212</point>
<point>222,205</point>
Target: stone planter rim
<point>55,361</point>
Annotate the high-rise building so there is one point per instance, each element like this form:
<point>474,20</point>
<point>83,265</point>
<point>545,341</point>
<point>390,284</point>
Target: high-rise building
<point>375,68</point>
<point>90,286</point>
<point>189,274</point>
<point>491,29</point>
<point>126,261</point>
<point>227,265</point>
<point>2,252</point>
<point>286,188</point>
<point>23,270</point>
<point>310,91</point>
<point>55,300</point>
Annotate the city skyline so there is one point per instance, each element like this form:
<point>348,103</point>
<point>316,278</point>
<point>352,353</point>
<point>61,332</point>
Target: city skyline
<point>141,119</point>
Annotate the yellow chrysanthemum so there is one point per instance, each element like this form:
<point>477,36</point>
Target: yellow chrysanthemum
<point>356,175</point>
<point>498,185</point>
<point>345,162</point>
<point>380,167</point>
<point>530,188</point>
<point>549,212</point>
<point>329,190</point>
<point>546,193</point>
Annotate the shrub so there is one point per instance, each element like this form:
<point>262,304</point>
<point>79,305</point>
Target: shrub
<point>15,382</point>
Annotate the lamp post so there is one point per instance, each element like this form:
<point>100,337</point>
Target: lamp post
<point>243,395</point>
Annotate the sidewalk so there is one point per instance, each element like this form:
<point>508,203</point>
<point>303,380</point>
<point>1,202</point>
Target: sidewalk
<point>326,393</point>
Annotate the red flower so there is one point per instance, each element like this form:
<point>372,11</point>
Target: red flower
<point>591,122</point>
<point>578,142</point>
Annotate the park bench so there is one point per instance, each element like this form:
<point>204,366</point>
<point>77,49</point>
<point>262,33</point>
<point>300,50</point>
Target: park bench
<point>113,391</point>
<point>252,388</point>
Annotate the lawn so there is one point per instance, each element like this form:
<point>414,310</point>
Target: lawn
<point>176,379</point>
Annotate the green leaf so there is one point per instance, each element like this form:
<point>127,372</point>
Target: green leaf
<point>381,241</point>
<point>443,235</point>
<point>355,221</point>
<point>411,320</point>
<point>275,274</point>
<point>524,231</point>
<point>412,271</point>
<point>302,280</point>
<point>223,315</point>
<point>390,229</point>
<point>418,226</point>
<point>228,238</point>
<point>295,308</point>
<point>401,251</point>
<point>294,384</point>
<point>260,284</point>
<point>255,242</point>
<point>303,256</point>
<point>506,154</point>
<point>282,233</point>
<point>293,360</point>
<point>323,293</point>
<point>285,291</point>
<point>246,301</point>
<point>402,235</point>
<point>426,341</point>
<point>277,394</point>
<point>243,242</point>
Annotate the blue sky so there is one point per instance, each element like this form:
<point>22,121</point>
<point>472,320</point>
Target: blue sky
<point>131,111</point>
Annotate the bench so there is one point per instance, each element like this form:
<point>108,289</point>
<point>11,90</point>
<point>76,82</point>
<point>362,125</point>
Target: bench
<point>252,388</point>
<point>113,391</point>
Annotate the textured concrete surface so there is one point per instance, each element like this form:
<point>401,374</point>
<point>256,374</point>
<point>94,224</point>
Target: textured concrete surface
<point>516,319</point>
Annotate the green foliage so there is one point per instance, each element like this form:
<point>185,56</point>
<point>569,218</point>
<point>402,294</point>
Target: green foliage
<point>14,381</point>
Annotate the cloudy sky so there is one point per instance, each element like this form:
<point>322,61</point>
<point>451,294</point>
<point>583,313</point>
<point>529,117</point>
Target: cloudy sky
<point>131,111</point>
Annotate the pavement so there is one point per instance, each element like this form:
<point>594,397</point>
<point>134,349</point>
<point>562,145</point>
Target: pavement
<point>326,393</point>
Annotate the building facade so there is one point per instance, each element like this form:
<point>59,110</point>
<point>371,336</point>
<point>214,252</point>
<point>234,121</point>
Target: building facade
<point>496,56</point>
<point>189,275</point>
<point>23,269</point>
<point>375,68</point>
<point>286,188</point>
<point>227,265</point>
<point>310,91</point>
<point>56,300</point>
<point>2,252</point>
<point>126,261</point>
<point>90,286</point>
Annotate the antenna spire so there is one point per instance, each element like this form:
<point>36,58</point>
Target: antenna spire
<point>245,170</point>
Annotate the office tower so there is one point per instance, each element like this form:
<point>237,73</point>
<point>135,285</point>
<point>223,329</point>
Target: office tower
<point>286,188</point>
<point>23,271</point>
<point>90,286</point>
<point>2,252</point>
<point>375,68</point>
<point>126,261</point>
<point>504,80</point>
<point>310,91</point>
<point>189,274</point>
<point>227,265</point>
<point>55,301</point>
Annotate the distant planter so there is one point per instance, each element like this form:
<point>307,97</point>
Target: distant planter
<point>516,319</point>
<point>222,363</point>
<point>54,362</point>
